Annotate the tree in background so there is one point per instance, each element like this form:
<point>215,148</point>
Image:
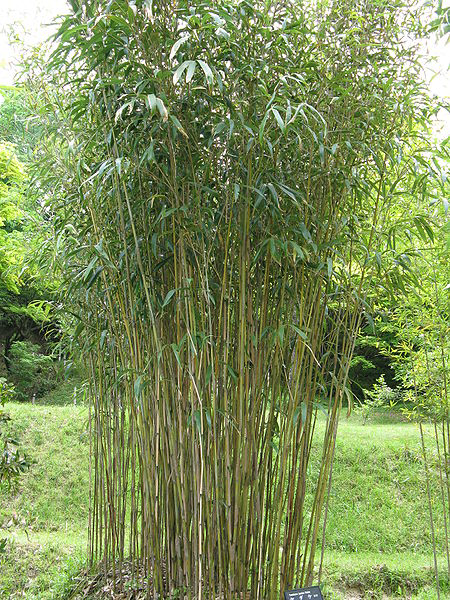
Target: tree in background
<point>11,176</point>
<point>24,291</point>
<point>417,231</point>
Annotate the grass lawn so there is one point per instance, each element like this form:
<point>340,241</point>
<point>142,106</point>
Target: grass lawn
<point>45,519</point>
<point>378,539</point>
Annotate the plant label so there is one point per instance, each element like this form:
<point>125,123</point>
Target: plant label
<point>309,593</point>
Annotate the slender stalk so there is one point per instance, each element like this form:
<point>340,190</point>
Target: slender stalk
<point>430,508</point>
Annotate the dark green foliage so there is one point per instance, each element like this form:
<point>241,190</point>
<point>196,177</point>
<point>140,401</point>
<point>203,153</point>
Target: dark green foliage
<point>25,292</point>
<point>32,372</point>
<point>372,358</point>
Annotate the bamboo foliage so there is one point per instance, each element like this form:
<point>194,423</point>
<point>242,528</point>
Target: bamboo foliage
<point>223,168</point>
<point>425,350</point>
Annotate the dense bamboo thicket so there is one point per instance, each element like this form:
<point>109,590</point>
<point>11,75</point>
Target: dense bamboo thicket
<point>223,169</point>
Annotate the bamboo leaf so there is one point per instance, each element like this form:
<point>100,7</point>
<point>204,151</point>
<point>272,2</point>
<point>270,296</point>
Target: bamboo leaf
<point>190,71</point>
<point>301,333</point>
<point>180,70</point>
<point>138,386</point>
<point>168,298</point>
<point>178,125</point>
<point>207,71</point>
<point>232,373</point>
<point>197,420</point>
<point>278,119</point>
<point>151,102</point>
<point>208,375</point>
<point>103,338</point>
<point>162,109</point>
<point>177,354</point>
<point>329,267</point>
<point>220,32</point>
<point>262,127</point>
<point>177,46</point>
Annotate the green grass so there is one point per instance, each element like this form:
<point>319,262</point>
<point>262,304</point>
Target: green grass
<point>68,392</point>
<point>40,566</point>
<point>45,517</point>
<point>378,541</point>
<point>378,501</point>
<point>53,494</point>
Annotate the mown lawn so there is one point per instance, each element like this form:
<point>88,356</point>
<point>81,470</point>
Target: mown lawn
<point>378,536</point>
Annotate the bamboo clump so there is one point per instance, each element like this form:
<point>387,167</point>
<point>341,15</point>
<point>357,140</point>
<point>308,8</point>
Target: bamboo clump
<point>221,202</point>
